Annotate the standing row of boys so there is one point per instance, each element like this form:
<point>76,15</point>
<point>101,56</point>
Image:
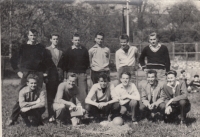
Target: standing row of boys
<point>66,81</point>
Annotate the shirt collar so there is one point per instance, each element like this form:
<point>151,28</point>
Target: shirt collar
<point>99,87</point>
<point>96,46</point>
<point>53,47</point>
<point>122,86</point>
<point>177,83</point>
<point>158,46</point>
<point>74,47</point>
<point>30,43</point>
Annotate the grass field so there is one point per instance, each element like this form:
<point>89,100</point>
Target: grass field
<point>144,128</point>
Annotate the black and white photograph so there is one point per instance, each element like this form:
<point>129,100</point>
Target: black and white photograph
<point>100,68</point>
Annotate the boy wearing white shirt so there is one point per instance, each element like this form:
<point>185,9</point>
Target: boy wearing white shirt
<point>127,96</point>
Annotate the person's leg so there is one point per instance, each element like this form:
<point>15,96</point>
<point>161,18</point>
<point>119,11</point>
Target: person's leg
<point>61,111</point>
<point>133,106</point>
<point>51,88</point>
<point>82,86</point>
<point>92,110</point>
<point>144,111</point>
<point>184,108</point>
<point>94,76</point>
<point>161,74</point>
<point>37,115</point>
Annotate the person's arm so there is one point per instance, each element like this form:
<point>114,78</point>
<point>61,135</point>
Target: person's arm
<point>142,59</point>
<point>117,60</point>
<point>144,97</point>
<point>135,94</point>
<point>136,57</point>
<point>22,102</point>
<point>87,63</point>
<point>113,99</point>
<point>88,99</point>
<point>167,60</point>
<point>59,95</point>
<point>90,56</point>
<point>42,101</point>
<point>183,92</point>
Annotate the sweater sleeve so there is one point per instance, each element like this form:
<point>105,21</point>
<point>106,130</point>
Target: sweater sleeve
<point>167,60</point>
<point>87,59</point>
<point>15,59</point>
<point>142,57</point>
<point>183,92</point>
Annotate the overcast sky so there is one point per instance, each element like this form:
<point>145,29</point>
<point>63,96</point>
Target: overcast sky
<point>166,3</point>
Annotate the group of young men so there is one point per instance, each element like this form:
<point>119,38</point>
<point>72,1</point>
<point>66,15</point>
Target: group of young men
<point>64,74</point>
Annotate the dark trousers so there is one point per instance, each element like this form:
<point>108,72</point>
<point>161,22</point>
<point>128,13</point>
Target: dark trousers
<point>51,88</point>
<point>107,110</point>
<point>34,113</point>
<point>16,109</point>
<point>146,112</point>
<point>95,75</point>
<point>181,107</point>
<point>131,106</point>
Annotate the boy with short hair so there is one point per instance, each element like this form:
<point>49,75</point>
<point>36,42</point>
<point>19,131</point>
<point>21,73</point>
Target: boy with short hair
<point>157,57</point>
<point>55,73</point>
<point>126,57</point>
<point>99,58</point>
<point>31,58</point>
<point>175,96</point>
<point>126,96</point>
<point>99,99</point>
<point>66,100</point>
<point>76,60</point>
<point>32,101</point>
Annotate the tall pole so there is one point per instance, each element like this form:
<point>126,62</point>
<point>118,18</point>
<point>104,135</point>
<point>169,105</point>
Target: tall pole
<point>127,16</point>
<point>10,45</point>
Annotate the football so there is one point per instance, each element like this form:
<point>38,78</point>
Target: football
<point>118,121</point>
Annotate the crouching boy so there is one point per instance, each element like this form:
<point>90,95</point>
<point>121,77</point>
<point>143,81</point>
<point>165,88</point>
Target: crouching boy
<point>32,101</point>
<point>175,96</point>
<point>66,101</point>
<point>151,102</point>
<point>98,100</point>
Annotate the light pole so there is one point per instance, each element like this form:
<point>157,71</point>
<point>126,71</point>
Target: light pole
<point>10,29</point>
<point>127,17</point>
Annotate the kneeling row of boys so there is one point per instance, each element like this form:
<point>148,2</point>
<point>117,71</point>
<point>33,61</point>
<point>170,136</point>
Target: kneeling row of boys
<point>166,101</point>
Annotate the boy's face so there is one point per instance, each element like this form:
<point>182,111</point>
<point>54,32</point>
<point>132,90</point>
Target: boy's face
<point>71,82</point>
<point>153,40</point>
<point>103,83</point>
<point>32,36</point>
<point>32,84</point>
<point>171,79</point>
<point>125,79</point>
<point>124,43</point>
<point>76,41</point>
<point>54,40</point>
<point>99,39</point>
<point>151,78</point>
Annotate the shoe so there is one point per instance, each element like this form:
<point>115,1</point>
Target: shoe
<point>183,123</point>
<point>9,122</point>
<point>27,122</point>
<point>52,119</point>
<point>135,123</point>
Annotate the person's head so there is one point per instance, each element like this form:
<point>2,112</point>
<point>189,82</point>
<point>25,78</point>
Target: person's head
<point>124,41</point>
<point>32,80</point>
<point>76,39</point>
<point>171,77</point>
<point>151,76</point>
<point>103,80</point>
<point>71,79</point>
<point>99,37</point>
<point>153,39</point>
<point>54,39</point>
<point>183,72</point>
<point>196,77</point>
<point>125,78</point>
<point>32,35</point>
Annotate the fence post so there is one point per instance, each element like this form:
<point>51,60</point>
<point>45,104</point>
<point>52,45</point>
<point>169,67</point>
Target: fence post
<point>197,52</point>
<point>173,49</point>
